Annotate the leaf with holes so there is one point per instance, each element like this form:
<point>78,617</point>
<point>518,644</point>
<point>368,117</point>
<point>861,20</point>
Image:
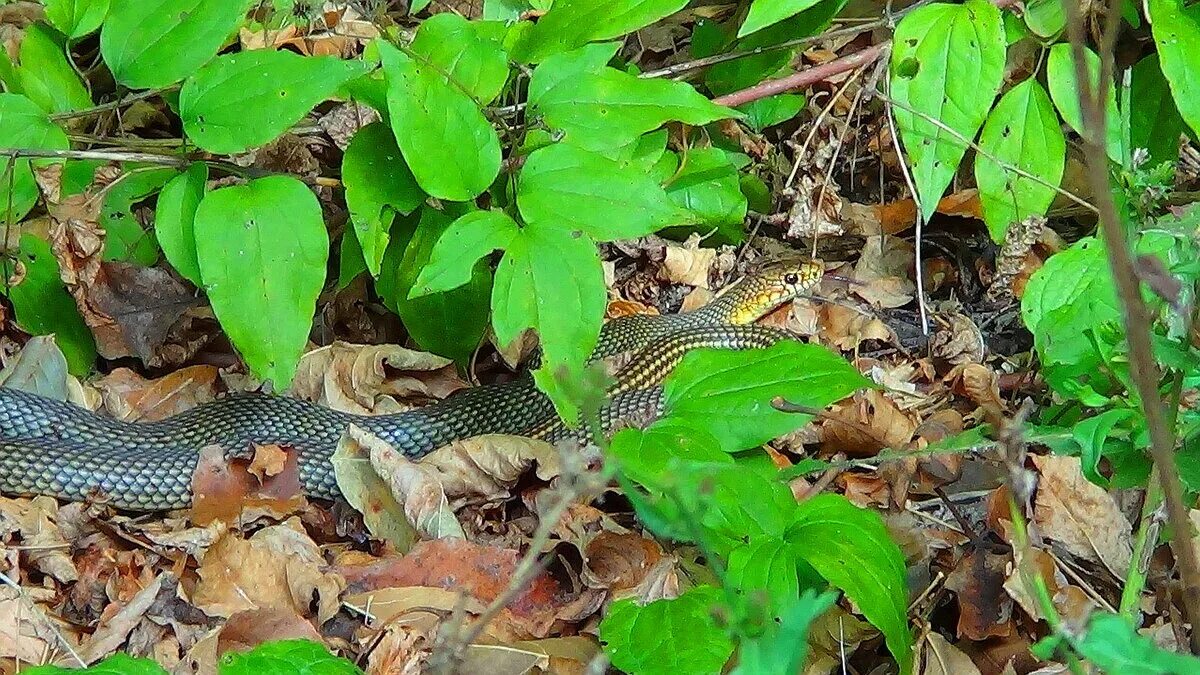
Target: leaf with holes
<point>1176,33</point>
<point>244,100</point>
<point>1022,131</point>
<point>262,249</point>
<point>24,125</point>
<point>947,65</point>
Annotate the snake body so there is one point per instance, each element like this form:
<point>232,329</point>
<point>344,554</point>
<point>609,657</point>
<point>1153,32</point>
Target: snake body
<point>50,447</point>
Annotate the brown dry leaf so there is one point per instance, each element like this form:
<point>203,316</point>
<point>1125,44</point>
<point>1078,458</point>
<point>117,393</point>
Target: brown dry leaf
<point>246,630</point>
<point>1080,516</point>
<point>268,462</point>
<point>24,635</point>
<point>423,605</point>
<point>402,650</point>
<point>39,368</point>
<point>619,562</point>
<point>361,379</point>
<point>369,494</point>
<point>866,424</point>
<point>113,632</point>
<point>883,272</point>
<point>985,611</point>
<point>567,655</point>
<point>131,397</point>
<point>982,387</point>
<point>485,468</point>
<point>502,659</point>
<point>341,123</point>
<point>844,328</point>
<point>414,485</point>
<point>36,523</point>
<point>688,263</point>
<point>939,657</point>
<point>957,340</point>
<point>1070,601</point>
<point>278,567</point>
<point>226,489</point>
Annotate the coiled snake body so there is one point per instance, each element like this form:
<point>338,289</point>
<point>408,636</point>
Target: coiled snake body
<point>50,447</point>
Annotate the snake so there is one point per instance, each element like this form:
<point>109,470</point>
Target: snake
<point>59,449</point>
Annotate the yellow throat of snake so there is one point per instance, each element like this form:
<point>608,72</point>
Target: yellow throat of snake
<point>762,291</point>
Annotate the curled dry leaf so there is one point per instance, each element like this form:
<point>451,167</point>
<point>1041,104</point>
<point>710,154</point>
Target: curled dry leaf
<point>485,468</point>
<point>619,562</point>
<point>278,567</point>
<point>866,424</point>
<point>957,340</point>
<point>366,379</point>
<point>369,494</point>
<point>35,521</point>
<point>112,633</point>
<point>245,630</point>
<point>1071,602</point>
<point>982,387</point>
<point>25,634</point>
<point>131,397</point>
<point>225,488</point>
<point>844,328</point>
<point>687,263</point>
<point>1080,516</point>
<point>883,272</point>
<point>985,610</point>
<point>39,368</point>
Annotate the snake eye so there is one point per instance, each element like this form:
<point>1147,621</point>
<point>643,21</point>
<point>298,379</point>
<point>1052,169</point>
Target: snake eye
<point>791,278</point>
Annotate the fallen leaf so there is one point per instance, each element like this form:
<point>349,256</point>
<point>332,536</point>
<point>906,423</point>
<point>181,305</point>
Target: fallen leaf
<point>485,468</point>
<point>131,397</point>
<point>369,494</point>
<point>1080,516</point>
<point>39,368</point>
<point>618,562</point>
<point>414,485</point>
<point>112,633</point>
<point>939,657</point>
<point>370,379</point>
<point>985,610</point>
<point>687,263</point>
<point>245,630</point>
<point>225,488</point>
<point>866,424</point>
<point>35,522</point>
<point>882,272</point>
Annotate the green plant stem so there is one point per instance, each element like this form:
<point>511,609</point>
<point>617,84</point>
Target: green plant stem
<point>1137,319</point>
<point>1143,543</point>
<point>111,105</point>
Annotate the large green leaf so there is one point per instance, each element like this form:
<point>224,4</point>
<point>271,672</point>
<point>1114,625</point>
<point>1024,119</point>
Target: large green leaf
<point>766,566</point>
<point>574,23</point>
<point>286,657</point>
<point>569,188</point>
<point>23,125</point>
<point>76,18</point>
<point>1176,34</point>
<point>708,185</point>
<point>645,455</point>
<point>1154,121</point>
<point>126,238</point>
<point>469,52</point>
<point>46,76</point>
<point>600,107</point>
<point>1022,131</point>
<point>850,547</point>
<point>262,249</point>
<point>666,636</point>
<point>729,393</point>
<point>450,323</point>
<point>175,217</point>
<point>1064,90</point>
<point>452,261</point>
<point>117,664</point>
<point>154,43</point>
<point>44,307</point>
<point>947,64</point>
<point>765,13</point>
<point>783,646</point>
<point>1081,270</point>
<point>244,100</point>
<point>450,147</point>
<point>378,185</point>
<point>714,499</point>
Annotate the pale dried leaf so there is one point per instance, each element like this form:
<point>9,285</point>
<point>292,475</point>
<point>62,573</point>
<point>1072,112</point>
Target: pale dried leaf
<point>939,657</point>
<point>356,378</point>
<point>413,484</point>
<point>688,263</point>
<point>369,494</point>
<point>111,634</point>
<point>486,467</point>
<point>39,368</point>
<point>1080,516</point>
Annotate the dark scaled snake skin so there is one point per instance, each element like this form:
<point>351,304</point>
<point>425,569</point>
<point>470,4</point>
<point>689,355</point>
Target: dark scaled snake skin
<point>50,447</point>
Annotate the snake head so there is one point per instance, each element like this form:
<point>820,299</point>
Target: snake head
<point>770,286</point>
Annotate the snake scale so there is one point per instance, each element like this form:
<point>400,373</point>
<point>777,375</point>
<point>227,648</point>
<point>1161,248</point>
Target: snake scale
<point>50,447</point>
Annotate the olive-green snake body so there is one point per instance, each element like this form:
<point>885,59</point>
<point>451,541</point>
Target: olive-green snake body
<point>50,447</point>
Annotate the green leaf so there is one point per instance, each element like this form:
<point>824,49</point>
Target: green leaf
<point>1091,434</point>
<point>1113,646</point>
<point>729,393</point>
<point>561,68</point>
<point>127,239</point>
<point>286,657</point>
<point>1154,121</point>
<point>766,566</point>
<point>245,100</point>
<point>154,43</point>
<point>605,108</point>
<point>568,188</point>
<point>574,23</point>
<point>1176,33</point>
<point>645,455</point>
<point>1045,17</point>
<point>1064,90</point>
<point>174,220</point>
<point>44,307</point>
<point>46,76</point>
<point>76,18</point>
<point>466,51</point>
<point>551,280</point>
<point>666,636</point>
<point>1022,131</point>
<point>450,147</point>
<point>452,261</point>
<point>450,323</point>
<point>350,261</point>
<point>262,249</point>
<point>378,185</point>
<point>117,664</point>
<point>709,186</point>
<point>850,547</point>
<point>23,125</point>
<point>765,13</point>
<point>772,110</point>
<point>714,499</point>
<point>1081,270</point>
<point>948,64</point>
<point>783,646</point>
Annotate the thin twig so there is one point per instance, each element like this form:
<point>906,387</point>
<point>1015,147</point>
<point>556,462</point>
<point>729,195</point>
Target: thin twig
<point>890,116</point>
<point>1142,366</point>
<point>804,78</point>
<point>111,105</point>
